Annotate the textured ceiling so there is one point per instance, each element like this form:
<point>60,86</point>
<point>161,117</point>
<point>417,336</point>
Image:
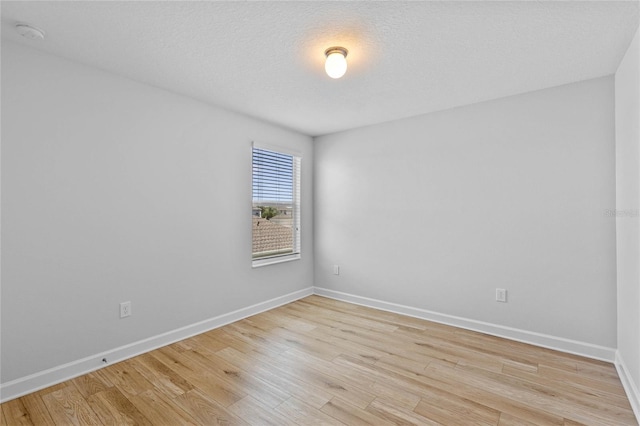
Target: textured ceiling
<point>265,59</point>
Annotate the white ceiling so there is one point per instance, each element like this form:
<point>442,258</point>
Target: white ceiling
<point>265,59</point>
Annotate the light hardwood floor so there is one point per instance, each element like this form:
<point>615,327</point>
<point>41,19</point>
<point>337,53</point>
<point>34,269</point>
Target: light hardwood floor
<point>320,361</point>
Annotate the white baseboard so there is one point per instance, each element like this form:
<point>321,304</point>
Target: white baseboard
<point>25,385</point>
<point>630,387</point>
<point>544,340</point>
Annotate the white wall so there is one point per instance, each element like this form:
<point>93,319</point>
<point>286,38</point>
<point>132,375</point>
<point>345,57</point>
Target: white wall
<point>113,190</point>
<point>627,89</point>
<point>437,211</point>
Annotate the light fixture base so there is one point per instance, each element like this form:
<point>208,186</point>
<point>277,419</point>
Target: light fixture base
<point>336,49</point>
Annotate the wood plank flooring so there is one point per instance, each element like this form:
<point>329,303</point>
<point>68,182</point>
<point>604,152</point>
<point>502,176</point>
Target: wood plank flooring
<point>320,361</point>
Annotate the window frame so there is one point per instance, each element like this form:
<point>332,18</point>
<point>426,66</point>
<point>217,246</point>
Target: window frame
<point>296,206</point>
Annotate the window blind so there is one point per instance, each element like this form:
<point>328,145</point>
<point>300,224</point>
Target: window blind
<point>272,177</point>
<point>276,204</point>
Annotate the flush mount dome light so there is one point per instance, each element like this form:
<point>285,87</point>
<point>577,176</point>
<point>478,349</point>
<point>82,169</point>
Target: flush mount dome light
<point>27,31</point>
<point>336,63</point>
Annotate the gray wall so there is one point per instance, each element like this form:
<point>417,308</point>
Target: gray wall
<point>437,211</point>
<point>113,190</point>
<point>628,205</point>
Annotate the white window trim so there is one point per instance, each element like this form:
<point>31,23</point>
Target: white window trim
<point>277,148</point>
<point>257,263</point>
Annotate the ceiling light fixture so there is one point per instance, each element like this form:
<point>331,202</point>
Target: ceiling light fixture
<point>27,31</point>
<point>336,63</point>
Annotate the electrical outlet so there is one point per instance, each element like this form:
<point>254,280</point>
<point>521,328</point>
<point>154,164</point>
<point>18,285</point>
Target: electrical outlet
<point>125,309</point>
<point>501,295</point>
<point>336,270</point>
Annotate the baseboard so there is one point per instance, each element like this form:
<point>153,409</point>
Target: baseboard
<point>547,341</point>
<point>630,387</point>
<point>25,385</point>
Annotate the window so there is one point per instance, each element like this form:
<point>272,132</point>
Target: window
<point>275,212</point>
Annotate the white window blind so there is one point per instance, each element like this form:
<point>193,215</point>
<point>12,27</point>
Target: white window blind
<point>276,206</point>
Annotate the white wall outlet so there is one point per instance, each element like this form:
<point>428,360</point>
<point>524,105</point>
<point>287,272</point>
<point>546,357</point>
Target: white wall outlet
<point>125,309</point>
<point>501,295</point>
<point>336,269</point>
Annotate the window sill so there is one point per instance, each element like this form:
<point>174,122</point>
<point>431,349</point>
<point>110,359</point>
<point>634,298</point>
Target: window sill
<point>257,263</point>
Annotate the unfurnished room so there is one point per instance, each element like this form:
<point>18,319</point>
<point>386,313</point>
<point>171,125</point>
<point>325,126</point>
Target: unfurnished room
<point>320,212</point>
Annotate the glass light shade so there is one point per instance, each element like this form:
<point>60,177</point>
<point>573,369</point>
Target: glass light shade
<point>336,63</point>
